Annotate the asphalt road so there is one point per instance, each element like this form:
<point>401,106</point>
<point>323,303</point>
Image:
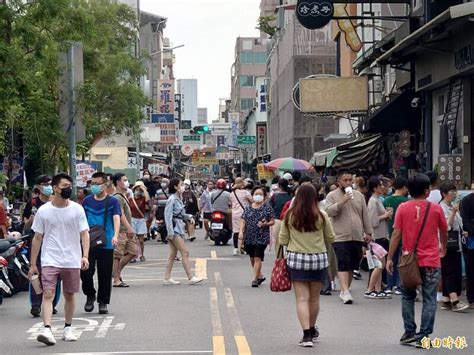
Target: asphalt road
<point>222,315</point>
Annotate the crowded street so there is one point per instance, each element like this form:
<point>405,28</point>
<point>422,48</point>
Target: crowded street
<point>223,315</point>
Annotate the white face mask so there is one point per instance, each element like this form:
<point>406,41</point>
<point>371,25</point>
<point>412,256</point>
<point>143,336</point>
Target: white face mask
<point>126,184</point>
<point>258,198</point>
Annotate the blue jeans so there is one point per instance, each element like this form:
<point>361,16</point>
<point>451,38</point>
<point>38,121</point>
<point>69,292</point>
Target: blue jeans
<point>394,278</point>
<point>430,277</point>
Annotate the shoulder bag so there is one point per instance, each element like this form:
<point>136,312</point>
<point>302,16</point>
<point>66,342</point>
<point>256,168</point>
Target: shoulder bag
<point>97,234</point>
<point>240,203</point>
<point>219,195</point>
<point>138,209</point>
<point>408,269</point>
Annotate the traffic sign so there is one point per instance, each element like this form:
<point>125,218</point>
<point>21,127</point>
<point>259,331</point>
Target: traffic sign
<point>195,138</point>
<point>246,140</point>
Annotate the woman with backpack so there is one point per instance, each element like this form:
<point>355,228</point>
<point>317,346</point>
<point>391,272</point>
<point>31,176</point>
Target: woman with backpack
<point>240,198</point>
<point>305,231</point>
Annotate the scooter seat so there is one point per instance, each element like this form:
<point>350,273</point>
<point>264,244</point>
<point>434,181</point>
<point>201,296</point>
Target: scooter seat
<point>5,244</point>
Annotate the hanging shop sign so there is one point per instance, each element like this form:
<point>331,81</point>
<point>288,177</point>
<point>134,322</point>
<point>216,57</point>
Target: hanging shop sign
<point>451,169</point>
<point>187,150</point>
<point>314,14</point>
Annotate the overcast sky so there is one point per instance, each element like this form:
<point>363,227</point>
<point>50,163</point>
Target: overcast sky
<point>208,29</point>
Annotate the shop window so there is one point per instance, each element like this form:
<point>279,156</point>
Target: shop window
<point>441,105</point>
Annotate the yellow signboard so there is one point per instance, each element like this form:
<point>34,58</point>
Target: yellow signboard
<point>264,172</point>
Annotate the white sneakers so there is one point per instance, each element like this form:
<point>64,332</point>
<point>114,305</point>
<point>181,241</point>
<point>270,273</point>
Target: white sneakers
<point>68,334</point>
<point>236,251</point>
<point>195,280</point>
<point>171,282</point>
<point>47,337</point>
<point>346,297</point>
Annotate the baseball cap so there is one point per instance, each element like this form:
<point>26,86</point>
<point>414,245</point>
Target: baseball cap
<point>187,182</point>
<point>287,176</point>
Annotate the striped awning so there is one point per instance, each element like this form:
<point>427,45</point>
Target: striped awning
<point>323,157</point>
<point>362,153</point>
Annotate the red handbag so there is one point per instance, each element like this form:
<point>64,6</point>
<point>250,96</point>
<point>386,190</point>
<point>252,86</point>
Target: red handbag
<point>280,281</point>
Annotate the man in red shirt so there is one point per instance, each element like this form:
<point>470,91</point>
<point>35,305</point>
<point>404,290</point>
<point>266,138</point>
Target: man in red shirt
<point>408,221</point>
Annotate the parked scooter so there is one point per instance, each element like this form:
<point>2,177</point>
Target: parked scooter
<point>5,285</point>
<point>220,231</point>
<point>14,250</point>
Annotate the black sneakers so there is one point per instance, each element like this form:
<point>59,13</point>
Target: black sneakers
<point>306,343</point>
<point>35,311</point>
<point>103,308</point>
<point>89,306</point>
<point>408,338</point>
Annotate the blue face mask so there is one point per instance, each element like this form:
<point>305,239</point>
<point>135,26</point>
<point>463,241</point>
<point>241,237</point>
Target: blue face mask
<point>96,189</point>
<point>47,190</point>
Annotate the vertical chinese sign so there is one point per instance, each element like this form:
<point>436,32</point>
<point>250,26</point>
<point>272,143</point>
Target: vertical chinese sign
<point>261,140</point>
<point>166,99</point>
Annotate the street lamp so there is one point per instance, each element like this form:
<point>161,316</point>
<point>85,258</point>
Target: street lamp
<point>166,50</point>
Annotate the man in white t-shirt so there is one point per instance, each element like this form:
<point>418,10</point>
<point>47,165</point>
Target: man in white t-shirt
<point>435,194</point>
<point>60,230</point>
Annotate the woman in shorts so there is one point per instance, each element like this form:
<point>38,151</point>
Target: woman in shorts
<point>175,218</point>
<point>255,231</point>
<point>138,205</point>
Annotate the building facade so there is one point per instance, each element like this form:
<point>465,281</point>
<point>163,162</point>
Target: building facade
<point>297,53</point>
<point>187,88</point>
<point>202,116</point>
<point>250,62</point>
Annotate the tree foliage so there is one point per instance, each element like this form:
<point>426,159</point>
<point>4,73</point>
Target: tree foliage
<point>33,34</point>
<point>265,24</point>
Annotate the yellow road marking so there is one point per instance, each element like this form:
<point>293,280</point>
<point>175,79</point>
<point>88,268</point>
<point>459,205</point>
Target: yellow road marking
<point>240,339</point>
<point>218,345</point>
<point>242,345</point>
<point>213,254</point>
<point>218,342</point>
<point>201,268</point>
<point>218,277</point>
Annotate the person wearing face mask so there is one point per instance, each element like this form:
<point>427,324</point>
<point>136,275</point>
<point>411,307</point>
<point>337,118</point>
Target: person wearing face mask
<point>138,205</point>
<point>175,218</point>
<point>94,205</point>
<point>255,231</point>
<point>61,227</point>
<point>45,190</point>
<point>159,205</point>
<point>191,205</point>
<point>206,206</point>
<point>126,248</point>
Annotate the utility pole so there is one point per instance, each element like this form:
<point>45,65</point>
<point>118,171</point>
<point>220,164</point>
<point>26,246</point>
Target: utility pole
<point>72,118</point>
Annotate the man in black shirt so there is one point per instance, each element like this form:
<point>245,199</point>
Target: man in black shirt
<point>467,214</point>
<point>44,189</point>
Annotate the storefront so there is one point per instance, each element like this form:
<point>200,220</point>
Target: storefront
<point>442,55</point>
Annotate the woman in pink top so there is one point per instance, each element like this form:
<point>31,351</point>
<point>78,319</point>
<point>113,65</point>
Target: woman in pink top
<point>239,198</point>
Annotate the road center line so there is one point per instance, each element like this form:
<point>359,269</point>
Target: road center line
<point>218,277</point>
<point>218,343</point>
<point>201,268</point>
<point>213,254</point>
<point>240,339</point>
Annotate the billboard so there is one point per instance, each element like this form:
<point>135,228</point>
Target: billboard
<point>331,94</point>
<point>166,96</point>
<point>234,119</point>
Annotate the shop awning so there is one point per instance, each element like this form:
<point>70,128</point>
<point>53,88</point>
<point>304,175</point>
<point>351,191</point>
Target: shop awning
<point>361,153</point>
<point>434,31</point>
<point>323,157</point>
<point>394,116</point>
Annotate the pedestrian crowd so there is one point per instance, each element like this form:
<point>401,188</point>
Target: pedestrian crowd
<point>323,231</point>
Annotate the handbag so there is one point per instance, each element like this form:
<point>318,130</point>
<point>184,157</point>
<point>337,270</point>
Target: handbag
<point>408,269</point>
<point>378,250</point>
<point>453,240</point>
<point>280,281</point>
<point>468,242</point>
<point>97,235</point>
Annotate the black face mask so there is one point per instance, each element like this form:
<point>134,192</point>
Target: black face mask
<point>320,197</point>
<point>66,193</point>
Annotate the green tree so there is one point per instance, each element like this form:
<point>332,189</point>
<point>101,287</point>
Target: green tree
<point>33,35</point>
<point>266,25</point>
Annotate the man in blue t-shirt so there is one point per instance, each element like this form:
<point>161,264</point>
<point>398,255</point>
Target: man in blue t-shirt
<point>94,206</point>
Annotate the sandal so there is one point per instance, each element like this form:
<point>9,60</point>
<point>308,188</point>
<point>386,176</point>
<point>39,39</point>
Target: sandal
<point>122,284</point>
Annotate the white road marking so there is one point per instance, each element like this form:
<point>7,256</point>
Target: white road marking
<point>104,327</point>
<point>213,254</point>
<point>142,352</point>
